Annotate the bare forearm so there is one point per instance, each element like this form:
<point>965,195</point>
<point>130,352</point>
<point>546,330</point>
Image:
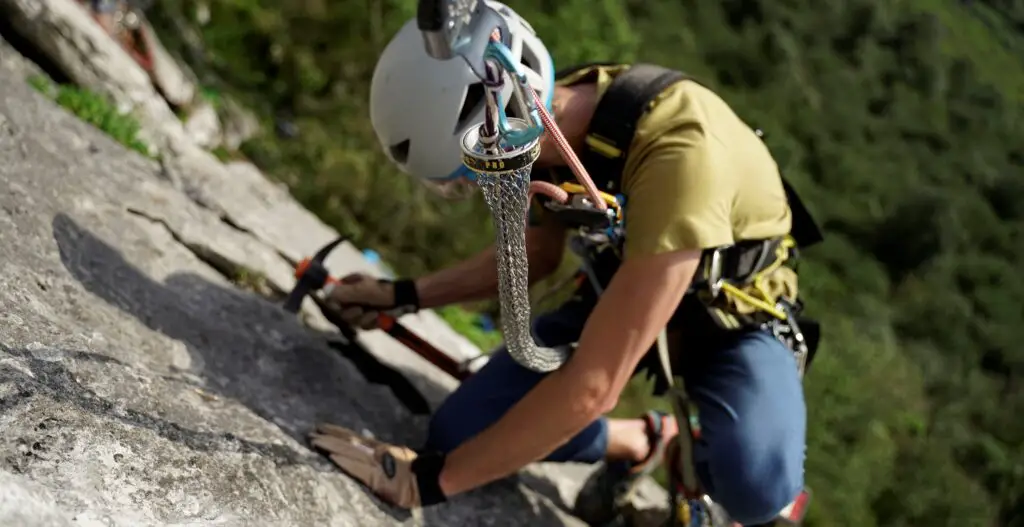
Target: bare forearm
<point>473,279</point>
<point>477,277</point>
<point>635,307</point>
<point>557,408</point>
<point>548,416</point>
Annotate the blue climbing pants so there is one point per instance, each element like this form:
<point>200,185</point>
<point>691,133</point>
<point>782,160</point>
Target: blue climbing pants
<point>749,395</point>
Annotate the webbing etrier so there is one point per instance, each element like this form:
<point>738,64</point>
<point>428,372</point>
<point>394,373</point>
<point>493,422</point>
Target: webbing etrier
<point>625,102</point>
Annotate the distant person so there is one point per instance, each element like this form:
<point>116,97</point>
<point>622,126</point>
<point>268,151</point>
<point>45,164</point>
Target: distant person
<point>695,178</point>
<point>122,21</point>
<point>104,12</point>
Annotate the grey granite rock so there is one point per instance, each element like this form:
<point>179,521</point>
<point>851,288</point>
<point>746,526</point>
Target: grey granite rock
<point>144,380</point>
<point>63,32</point>
<point>139,386</point>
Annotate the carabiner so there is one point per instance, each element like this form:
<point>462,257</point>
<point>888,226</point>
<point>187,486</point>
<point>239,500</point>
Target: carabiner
<point>499,53</point>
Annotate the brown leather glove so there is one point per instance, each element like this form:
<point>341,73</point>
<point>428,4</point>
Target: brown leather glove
<point>395,473</point>
<point>360,298</point>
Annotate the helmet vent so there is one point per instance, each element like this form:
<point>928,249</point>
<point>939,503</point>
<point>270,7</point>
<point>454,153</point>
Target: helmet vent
<point>529,59</point>
<point>472,104</point>
<point>400,152</point>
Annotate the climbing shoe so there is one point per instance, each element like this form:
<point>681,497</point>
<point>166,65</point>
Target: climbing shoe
<point>610,488</point>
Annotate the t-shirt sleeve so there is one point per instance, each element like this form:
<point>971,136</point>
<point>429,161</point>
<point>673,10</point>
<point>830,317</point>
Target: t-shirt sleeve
<point>679,197</point>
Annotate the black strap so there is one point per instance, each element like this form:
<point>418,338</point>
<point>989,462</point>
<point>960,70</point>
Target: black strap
<point>615,119</point>
<point>805,231</point>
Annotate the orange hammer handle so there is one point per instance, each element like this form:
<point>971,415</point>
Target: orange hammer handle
<point>423,348</point>
<point>402,334</point>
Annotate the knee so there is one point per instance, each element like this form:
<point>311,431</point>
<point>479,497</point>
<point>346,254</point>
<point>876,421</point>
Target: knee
<point>753,482</point>
<point>478,402</point>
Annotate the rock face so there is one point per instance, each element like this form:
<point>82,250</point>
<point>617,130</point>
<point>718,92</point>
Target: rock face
<point>63,31</point>
<point>142,380</point>
<point>139,386</point>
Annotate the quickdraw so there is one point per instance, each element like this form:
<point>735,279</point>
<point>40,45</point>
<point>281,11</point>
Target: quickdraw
<point>498,145</point>
<point>500,154</point>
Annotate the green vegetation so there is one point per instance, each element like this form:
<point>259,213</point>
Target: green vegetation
<point>469,324</point>
<point>94,109</point>
<point>899,122</point>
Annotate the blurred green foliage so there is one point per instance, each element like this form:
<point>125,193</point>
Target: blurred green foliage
<point>899,122</point>
<point>94,109</point>
<point>470,325</point>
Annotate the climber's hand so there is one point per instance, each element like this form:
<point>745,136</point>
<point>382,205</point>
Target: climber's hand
<point>360,298</point>
<point>395,473</point>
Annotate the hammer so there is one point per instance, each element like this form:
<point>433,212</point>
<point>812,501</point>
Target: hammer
<point>311,275</point>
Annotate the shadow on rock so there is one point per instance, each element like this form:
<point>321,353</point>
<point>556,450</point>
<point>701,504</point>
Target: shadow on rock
<point>242,346</point>
<point>50,378</point>
<point>377,372</point>
<point>251,350</point>
<point>548,489</point>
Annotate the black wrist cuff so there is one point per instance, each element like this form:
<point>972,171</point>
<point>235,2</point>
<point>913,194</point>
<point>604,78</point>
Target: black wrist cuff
<point>406,294</point>
<point>427,468</point>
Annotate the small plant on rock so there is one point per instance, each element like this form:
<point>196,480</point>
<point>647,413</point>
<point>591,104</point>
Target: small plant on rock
<point>94,109</point>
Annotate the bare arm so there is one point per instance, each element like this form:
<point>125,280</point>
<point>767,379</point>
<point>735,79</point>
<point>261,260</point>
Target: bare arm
<point>476,278</point>
<point>637,305</point>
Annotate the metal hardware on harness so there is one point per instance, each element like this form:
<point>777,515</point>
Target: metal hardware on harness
<point>713,274</point>
<point>578,246</point>
<point>788,332</point>
<point>690,505</point>
<point>783,324</point>
<point>580,212</point>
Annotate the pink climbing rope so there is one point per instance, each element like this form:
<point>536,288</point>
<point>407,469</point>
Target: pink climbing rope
<point>548,189</point>
<point>551,128</point>
<point>567,153</point>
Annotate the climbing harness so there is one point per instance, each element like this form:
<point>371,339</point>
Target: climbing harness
<point>735,272</point>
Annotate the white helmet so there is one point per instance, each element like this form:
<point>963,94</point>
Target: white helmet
<point>420,107</point>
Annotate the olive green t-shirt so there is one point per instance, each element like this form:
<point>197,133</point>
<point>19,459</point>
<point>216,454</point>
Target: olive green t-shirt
<point>697,177</point>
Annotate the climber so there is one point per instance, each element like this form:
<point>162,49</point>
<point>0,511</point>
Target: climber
<point>104,12</point>
<point>123,21</point>
<point>696,178</point>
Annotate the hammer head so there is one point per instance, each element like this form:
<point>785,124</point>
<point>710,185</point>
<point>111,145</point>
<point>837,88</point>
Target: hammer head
<point>311,275</point>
